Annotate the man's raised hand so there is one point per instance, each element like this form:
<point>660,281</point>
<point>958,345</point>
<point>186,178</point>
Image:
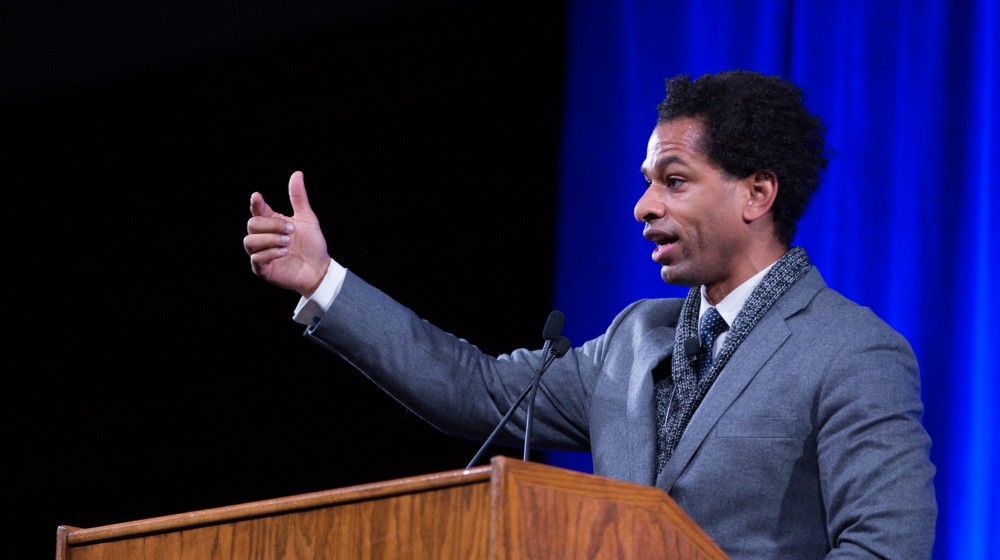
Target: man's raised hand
<point>287,251</point>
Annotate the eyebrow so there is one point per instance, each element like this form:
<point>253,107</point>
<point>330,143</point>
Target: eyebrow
<point>664,161</point>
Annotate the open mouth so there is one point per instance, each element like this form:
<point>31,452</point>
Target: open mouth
<point>664,244</point>
<point>665,240</point>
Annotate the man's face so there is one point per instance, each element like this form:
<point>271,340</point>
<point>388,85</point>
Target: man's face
<point>693,211</point>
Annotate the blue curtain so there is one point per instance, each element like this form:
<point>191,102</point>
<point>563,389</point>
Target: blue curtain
<point>905,222</point>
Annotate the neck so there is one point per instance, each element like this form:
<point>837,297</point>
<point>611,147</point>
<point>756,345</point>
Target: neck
<point>746,267</point>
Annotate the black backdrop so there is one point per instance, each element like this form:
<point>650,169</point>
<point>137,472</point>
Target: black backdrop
<point>146,370</point>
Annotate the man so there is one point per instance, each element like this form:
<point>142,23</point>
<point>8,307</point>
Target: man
<point>782,417</point>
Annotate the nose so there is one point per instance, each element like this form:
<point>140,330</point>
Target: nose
<point>649,206</point>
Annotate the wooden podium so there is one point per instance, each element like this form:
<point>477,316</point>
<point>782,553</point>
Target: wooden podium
<point>507,510</point>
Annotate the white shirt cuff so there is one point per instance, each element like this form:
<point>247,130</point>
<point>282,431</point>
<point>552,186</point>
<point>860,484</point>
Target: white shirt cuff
<point>310,310</point>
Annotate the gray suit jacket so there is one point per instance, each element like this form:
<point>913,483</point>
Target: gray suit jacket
<point>808,445</point>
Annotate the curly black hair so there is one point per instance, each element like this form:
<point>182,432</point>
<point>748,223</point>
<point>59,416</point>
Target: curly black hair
<point>755,122</point>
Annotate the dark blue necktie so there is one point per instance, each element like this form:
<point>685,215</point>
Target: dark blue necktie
<point>712,325</point>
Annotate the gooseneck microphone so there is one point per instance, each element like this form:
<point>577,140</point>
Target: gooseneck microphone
<point>553,326</point>
<point>556,350</point>
<point>555,346</point>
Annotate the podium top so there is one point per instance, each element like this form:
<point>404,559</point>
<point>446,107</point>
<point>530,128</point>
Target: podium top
<point>505,510</point>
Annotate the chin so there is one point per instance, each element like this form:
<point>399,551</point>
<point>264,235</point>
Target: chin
<point>671,275</point>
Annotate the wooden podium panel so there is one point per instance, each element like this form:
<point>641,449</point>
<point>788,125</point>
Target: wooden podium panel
<point>505,511</point>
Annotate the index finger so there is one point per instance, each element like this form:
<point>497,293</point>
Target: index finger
<point>258,207</point>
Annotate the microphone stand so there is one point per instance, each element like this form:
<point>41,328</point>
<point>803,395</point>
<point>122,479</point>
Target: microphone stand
<point>556,350</point>
<point>503,421</point>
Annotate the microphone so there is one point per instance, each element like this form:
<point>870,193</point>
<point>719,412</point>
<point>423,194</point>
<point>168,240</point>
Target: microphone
<point>553,326</point>
<point>557,349</point>
<point>560,347</point>
<point>692,346</point>
<point>555,346</point>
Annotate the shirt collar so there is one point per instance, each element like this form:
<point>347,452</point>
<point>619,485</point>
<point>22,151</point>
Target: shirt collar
<point>730,305</point>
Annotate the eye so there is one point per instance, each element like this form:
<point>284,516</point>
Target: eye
<point>673,182</point>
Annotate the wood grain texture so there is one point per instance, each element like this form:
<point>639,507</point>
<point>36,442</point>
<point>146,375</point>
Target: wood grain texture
<point>508,510</point>
<point>548,513</point>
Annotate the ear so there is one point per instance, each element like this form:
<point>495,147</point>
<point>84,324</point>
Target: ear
<point>762,189</point>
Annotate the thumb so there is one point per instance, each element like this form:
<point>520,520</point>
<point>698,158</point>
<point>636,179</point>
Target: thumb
<point>297,194</point>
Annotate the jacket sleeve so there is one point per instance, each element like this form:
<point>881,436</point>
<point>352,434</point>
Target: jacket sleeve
<point>448,381</point>
<point>873,452</point>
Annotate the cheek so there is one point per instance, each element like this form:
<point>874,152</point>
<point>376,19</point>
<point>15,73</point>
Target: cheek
<point>716,229</point>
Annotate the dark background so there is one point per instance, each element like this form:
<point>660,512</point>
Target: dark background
<point>147,371</point>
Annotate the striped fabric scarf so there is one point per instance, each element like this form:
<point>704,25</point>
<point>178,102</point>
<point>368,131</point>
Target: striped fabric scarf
<point>681,392</point>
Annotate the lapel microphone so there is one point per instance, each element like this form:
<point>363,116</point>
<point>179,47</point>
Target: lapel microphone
<point>693,351</point>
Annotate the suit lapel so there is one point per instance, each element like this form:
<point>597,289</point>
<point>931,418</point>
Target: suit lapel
<point>762,342</point>
<point>639,464</point>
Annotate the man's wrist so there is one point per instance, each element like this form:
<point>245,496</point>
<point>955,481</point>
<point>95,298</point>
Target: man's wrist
<point>321,278</point>
<point>311,309</point>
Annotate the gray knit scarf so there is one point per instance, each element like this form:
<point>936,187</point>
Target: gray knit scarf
<point>681,392</point>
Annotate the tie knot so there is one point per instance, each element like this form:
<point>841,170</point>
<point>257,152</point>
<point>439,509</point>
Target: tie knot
<point>712,325</point>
